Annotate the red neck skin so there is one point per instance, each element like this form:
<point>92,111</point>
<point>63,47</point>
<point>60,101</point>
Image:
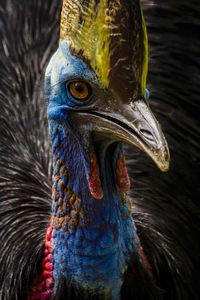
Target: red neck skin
<point>42,285</point>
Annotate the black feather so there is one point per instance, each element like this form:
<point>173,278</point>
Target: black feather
<point>166,206</point>
<point>26,45</point>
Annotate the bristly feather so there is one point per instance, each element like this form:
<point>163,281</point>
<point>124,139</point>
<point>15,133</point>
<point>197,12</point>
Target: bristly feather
<point>165,208</point>
<point>28,34</point>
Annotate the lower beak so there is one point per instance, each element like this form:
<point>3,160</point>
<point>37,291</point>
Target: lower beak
<point>131,123</point>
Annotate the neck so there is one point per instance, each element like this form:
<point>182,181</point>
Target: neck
<point>90,234</point>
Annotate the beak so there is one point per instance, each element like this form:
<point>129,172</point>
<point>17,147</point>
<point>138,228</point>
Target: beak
<point>132,123</point>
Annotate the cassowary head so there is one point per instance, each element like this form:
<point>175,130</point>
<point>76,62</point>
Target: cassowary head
<point>97,78</point>
<point>96,83</point>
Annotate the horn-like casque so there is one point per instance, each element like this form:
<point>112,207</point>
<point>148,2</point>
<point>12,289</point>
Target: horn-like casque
<point>99,31</point>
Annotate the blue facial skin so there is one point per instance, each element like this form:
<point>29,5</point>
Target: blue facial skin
<point>94,255</point>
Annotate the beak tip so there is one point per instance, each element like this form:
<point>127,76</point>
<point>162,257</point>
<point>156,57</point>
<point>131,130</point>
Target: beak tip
<point>163,159</point>
<point>165,167</point>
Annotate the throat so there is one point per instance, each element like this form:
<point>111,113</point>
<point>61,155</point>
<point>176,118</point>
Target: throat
<point>93,237</point>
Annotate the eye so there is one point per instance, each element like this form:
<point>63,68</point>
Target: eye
<point>80,90</point>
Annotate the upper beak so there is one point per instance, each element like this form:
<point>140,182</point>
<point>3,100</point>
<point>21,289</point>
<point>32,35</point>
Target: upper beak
<point>133,123</point>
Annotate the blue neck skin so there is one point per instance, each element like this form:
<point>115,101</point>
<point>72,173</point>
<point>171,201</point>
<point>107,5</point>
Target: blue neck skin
<point>95,251</point>
<point>92,239</point>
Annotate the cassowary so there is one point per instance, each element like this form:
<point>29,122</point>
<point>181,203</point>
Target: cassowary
<point>57,243</point>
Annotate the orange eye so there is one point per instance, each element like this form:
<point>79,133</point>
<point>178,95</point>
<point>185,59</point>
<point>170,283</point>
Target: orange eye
<point>80,90</point>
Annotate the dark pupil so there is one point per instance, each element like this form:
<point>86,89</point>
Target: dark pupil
<point>79,87</point>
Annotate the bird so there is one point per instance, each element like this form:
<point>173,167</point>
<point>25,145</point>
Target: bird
<point>164,207</point>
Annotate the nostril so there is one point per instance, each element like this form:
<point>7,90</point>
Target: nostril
<point>147,134</point>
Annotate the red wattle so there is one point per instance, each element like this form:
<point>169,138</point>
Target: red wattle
<point>122,177</point>
<point>94,177</point>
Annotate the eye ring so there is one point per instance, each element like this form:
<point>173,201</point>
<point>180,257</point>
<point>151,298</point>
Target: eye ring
<point>80,90</point>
